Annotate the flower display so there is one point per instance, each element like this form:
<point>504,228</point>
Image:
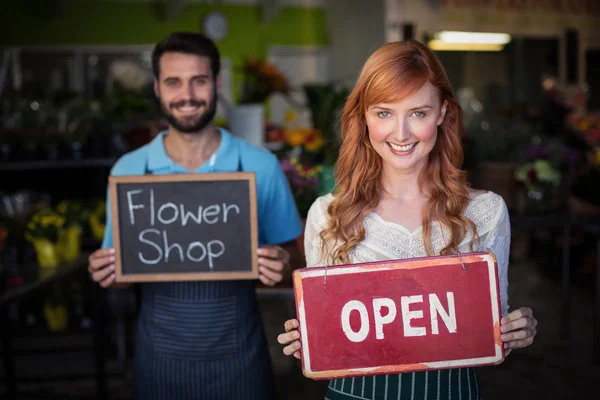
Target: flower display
<point>304,182</point>
<point>587,125</point>
<point>45,224</point>
<point>97,220</point>
<point>69,241</point>
<point>539,171</point>
<point>43,231</point>
<point>73,211</point>
<point>260,80</point>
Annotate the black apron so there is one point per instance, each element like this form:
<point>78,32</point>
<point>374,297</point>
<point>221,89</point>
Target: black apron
<point>201,340</point>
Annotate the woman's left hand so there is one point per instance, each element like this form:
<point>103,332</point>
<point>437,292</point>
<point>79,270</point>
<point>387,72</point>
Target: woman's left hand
<point>518,328</point>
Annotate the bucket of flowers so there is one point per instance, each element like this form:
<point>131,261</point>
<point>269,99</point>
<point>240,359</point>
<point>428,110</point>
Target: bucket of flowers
<point>43,230</point>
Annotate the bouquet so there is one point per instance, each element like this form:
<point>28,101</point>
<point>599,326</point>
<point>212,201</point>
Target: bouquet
<point>260,80</point>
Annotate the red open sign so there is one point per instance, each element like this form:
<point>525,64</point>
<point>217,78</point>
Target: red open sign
<point>399,316</point>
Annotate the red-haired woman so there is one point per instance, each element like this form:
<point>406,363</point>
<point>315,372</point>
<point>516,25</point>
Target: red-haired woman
<point>400,194</point>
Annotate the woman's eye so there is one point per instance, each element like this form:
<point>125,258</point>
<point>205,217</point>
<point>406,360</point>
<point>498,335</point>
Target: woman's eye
<point>419,114</point>
<point>383,114</point>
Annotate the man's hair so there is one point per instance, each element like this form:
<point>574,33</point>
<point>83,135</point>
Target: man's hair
<point>188,43</point>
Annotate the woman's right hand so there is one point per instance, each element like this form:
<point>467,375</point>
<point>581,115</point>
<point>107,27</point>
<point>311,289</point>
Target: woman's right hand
<point>290,338</point>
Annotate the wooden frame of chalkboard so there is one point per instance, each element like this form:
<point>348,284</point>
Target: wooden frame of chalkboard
<point>132,266</point>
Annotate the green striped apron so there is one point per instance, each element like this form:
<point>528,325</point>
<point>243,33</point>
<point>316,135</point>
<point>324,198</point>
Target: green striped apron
<point>448,384</point>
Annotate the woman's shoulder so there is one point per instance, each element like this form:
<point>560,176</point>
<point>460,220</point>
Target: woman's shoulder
<point>317,214</point>
<point>485,208</point>
<point>321,204</point>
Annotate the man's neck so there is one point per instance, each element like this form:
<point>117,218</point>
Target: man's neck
<point>192,150</point>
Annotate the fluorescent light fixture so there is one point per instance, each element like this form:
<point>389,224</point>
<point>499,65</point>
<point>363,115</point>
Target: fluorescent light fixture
<point>473,37</point>
<point>439,45</point>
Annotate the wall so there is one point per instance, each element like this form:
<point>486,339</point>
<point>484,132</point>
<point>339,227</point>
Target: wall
<point>356,28</point>
<point>530,18</point>
<point>527,19</point>
<point>103,22</point>
<point>115,22</point>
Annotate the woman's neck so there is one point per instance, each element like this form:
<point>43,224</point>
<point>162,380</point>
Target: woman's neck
<point>401,185</point>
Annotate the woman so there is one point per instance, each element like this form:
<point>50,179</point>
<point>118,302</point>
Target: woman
<point>400,194</point>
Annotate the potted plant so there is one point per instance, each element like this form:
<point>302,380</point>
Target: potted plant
<point>326,102</point>
<point>259,81</point>
<point>97,220</point>
<point>42,231</point>
<point>496,146</point>
<point>69,239</point>
<point>541,180</point>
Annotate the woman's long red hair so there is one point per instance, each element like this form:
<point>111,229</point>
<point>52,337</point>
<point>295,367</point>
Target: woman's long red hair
<point>392,73</point>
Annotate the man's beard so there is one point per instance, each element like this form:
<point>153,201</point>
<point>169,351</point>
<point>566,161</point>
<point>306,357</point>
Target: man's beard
<point>191,124</point>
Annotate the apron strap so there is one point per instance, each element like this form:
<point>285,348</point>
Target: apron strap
<point>146,169</point>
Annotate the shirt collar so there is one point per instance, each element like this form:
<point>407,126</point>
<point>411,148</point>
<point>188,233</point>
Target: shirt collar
<point>225,159</point>
<point>157,155</point>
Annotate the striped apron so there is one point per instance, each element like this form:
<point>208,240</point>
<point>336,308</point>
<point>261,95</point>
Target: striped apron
<point>448,384</point>
<point>201,340</point>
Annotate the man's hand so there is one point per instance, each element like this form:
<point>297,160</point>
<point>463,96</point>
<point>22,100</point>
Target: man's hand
<point>102,267</point>
<point>272,261</point>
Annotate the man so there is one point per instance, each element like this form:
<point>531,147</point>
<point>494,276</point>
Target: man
<point>203,340</point>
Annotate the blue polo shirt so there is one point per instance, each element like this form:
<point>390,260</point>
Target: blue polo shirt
<point>278,218</point>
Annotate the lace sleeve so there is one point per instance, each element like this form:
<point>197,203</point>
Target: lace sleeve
<point>498,242</point>
<point>315,223</point>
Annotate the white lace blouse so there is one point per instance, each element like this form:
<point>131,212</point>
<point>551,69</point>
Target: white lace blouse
<point>387,240</point>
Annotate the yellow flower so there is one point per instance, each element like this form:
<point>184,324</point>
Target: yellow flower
<point>290,116</point>
<point>296,137</point>
<point>315,144</point>
<point>585,125</point>
<point>62,206</point>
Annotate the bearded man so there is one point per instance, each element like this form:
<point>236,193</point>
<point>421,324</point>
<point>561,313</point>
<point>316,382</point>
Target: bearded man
<point>202,339</point>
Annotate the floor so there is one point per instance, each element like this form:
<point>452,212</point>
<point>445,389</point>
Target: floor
<point>550,369</point>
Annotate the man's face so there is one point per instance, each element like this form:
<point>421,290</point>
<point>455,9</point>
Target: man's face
<point>187,91</point>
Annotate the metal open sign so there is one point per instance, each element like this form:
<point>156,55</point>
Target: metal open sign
<point>399,316</point>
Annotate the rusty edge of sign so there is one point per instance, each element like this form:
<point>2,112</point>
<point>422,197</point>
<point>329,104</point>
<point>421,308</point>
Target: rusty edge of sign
<point>424,262</point>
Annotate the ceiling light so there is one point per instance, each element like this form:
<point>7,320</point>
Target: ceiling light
<point>472,37</point>
<point>439,45</point>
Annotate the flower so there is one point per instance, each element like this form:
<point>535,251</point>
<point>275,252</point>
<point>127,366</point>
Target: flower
<point>295,137</point>
<point>586,125</point>
<point>290,117</point>
<point>314,142</point>
<point>73,212</point>
<point>304,181</point>
<point>308,138</point>
<point>539,171</point>
<point>260,80</point>
<point>97,220</point>
<point>45,224</point>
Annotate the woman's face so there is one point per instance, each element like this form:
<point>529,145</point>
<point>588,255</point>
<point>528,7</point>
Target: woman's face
<point>404,133</point>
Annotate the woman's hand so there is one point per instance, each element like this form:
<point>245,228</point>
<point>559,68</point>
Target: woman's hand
<point>290,338</point>
<point>518,328</point>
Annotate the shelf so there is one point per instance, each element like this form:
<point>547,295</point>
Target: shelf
<point>58,164</point>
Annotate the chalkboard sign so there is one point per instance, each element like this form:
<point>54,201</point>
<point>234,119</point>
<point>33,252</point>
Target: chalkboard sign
<point>184,227</point>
